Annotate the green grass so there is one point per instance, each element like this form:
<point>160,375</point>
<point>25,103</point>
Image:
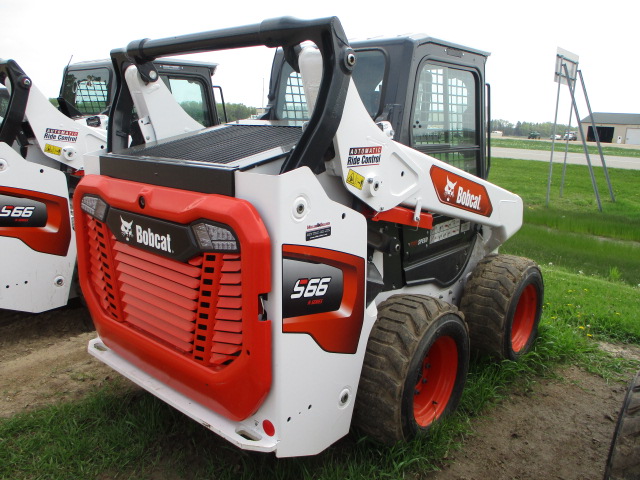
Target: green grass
<point>572,232</point>
<point>604,256</point>
<point>123,434</point>
<point>579,302</point>
<point>576,210</point>
<point>574,147</point>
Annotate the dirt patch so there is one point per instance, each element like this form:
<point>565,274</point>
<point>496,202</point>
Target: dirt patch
<point>44,359</point>
<point>630,352</point>
<point>562,429</point>
<point>559,429</point>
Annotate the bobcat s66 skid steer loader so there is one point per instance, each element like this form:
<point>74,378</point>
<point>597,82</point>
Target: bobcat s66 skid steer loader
<point>329,265</point>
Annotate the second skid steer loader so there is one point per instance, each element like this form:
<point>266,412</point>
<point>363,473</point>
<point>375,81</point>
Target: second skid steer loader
<point>329,265</point>
<point>42,155</point>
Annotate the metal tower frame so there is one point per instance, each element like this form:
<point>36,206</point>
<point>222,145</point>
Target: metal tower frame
<point>567,72</point>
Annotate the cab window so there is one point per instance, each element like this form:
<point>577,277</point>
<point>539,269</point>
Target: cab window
<point>368,76</point>
<point>190,94</point>
<point>444,116</point>
<point>87,90</point>
<point>293,106</point>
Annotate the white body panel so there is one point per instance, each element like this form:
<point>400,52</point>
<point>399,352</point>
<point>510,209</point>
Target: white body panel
<point>33,281</point>
<point>308,382</point>
<point>59,137</point>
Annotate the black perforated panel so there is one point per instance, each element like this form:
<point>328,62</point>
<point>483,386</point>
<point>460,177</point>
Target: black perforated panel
<point>224,145</point>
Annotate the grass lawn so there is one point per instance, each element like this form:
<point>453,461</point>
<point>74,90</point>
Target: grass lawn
<point>591,267</point>
<point>571,232</point>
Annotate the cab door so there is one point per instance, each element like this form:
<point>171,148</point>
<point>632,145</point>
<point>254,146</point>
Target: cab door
<point>446,122</point>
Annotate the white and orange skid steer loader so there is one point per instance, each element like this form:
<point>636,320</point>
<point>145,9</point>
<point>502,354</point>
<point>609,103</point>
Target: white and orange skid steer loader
<point>329,265</point>
<point>42,152</point>
<point>41,156</point>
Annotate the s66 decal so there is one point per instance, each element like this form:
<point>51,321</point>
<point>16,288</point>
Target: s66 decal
<point>13,211</point>
<point>22,212</point>
<point>310,287</point>
<point>323,296</point>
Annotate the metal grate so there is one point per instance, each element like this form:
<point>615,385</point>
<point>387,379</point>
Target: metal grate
<point>219,336</point>
<point>91,96</point>
<point>294,107</point>
<point>444,111</point>
<point>194,308</point>
<point>224,145</point>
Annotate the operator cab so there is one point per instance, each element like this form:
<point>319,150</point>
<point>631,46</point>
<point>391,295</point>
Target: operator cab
<point>432,94</point>
<point>430,90</point>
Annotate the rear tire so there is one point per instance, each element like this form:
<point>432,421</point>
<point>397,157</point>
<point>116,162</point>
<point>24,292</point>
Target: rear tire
<point>414,370</point>
<point>624,455</point>
<point>502,304</point>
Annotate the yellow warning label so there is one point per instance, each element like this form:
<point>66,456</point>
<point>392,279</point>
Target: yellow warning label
<point>52,149</point>
<point>355,179</point>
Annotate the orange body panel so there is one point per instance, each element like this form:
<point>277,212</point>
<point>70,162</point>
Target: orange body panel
<point>196,326</point>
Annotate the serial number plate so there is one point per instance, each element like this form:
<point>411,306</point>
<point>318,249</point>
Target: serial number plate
<point>448,229</point>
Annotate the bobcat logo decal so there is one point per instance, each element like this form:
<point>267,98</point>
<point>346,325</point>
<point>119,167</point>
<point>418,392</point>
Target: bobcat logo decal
<point>125,229</point>
<point>448,190</point>
<point>463,193</point>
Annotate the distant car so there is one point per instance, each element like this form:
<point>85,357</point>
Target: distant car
<point>534,136</point>
<point>570,136</point>
<point>556,137</point>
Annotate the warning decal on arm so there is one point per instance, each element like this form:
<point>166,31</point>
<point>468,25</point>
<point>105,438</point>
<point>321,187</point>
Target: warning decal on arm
<point>355,179</point>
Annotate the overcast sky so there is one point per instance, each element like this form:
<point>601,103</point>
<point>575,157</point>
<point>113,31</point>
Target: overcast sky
<point>522,37</point>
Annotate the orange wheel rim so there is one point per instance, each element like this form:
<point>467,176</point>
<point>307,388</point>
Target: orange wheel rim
<point>436,380</point>
<point>524,318</point>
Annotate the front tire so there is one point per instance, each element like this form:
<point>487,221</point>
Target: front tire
<point>414,370</point>
<point>502,304</point>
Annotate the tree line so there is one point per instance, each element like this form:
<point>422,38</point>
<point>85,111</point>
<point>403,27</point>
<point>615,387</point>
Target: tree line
<point>236,111</point>
<point>523,129</point>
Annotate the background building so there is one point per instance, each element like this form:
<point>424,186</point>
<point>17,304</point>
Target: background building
<point>614,127</point>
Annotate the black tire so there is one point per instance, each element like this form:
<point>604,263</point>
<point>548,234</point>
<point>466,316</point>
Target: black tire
<point>414,370</point>
<point>502,304</point>
<point>624,455</point>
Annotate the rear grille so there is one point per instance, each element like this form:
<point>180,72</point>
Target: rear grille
<point>101,273</point>
<point>194,308</point>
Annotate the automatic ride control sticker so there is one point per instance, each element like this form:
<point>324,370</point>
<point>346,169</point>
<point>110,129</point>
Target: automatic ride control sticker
<point>61,135</point>
<point>364,156</point>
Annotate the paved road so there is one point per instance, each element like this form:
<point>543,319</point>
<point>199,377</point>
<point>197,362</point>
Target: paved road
<point>629,163</point>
